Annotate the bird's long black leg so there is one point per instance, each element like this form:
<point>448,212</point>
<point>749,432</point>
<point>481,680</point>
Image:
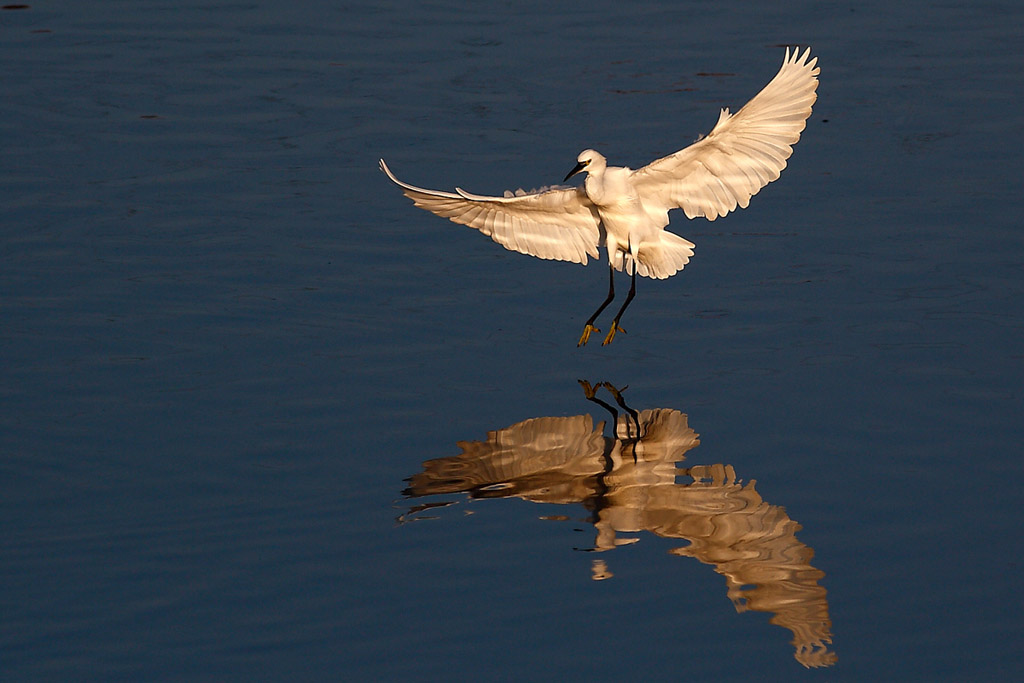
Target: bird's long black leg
<point>615,322</point>
<point>589,327</point>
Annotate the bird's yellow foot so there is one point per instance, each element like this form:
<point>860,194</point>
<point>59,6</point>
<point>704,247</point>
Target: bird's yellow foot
<point>586,334</point>
<point>611,333</point>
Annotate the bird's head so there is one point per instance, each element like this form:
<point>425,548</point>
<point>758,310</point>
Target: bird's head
<point>588,160</point>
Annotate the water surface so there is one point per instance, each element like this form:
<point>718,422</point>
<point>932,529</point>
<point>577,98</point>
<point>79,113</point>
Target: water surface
<point>232,351</point>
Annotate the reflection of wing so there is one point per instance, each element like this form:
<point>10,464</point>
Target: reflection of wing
<point>542,454</point>
<point>558,224</point>
<point>751,543</point>
<point>743,152</point>
<point>727,524</point>
<point>666,435</point>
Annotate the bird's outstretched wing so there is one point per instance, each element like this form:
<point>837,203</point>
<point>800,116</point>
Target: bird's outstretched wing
<point>558,224</point>
<point>742,153</point>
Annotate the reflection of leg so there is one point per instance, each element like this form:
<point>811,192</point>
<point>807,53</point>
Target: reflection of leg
<point>615,322</point>
<point>589,326</point>
<point>588,389</point>
<point>591,393</point>
<point>617,393</point>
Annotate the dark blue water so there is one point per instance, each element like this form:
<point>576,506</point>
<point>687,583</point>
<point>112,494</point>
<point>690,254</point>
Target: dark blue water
<point>260,418</point>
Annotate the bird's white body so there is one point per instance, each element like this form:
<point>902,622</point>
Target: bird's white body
<point>626,210</point>
<point>634,230</point>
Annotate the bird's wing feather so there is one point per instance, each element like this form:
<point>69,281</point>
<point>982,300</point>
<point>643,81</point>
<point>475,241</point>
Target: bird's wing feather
<point>743,153</point>
<point>559,224</point>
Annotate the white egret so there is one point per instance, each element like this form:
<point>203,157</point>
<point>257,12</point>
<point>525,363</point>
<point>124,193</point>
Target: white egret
<point>625,210</point>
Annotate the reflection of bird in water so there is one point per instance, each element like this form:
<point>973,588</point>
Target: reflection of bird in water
<point>626,211</point>
<point>629,484</point>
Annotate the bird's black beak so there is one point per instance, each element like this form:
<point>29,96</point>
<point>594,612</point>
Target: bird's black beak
<point>575,169</point>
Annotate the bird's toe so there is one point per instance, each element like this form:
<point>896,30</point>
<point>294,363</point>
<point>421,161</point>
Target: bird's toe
<point>585,337</point>
<point>611,333</point>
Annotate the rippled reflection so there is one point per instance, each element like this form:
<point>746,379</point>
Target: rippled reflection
<point>630,483</point>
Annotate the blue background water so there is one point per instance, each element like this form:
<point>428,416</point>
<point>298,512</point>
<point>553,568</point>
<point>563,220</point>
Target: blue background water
<point>226,340</point>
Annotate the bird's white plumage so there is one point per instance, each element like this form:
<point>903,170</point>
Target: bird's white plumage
<point>742,153</point>
<point>626,211</point>
<point>558,224</point>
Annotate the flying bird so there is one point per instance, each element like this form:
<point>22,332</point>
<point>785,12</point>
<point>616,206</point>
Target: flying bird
<point>625,210</point>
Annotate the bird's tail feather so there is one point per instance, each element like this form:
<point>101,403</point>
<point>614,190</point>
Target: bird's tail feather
<point>664,258</point>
